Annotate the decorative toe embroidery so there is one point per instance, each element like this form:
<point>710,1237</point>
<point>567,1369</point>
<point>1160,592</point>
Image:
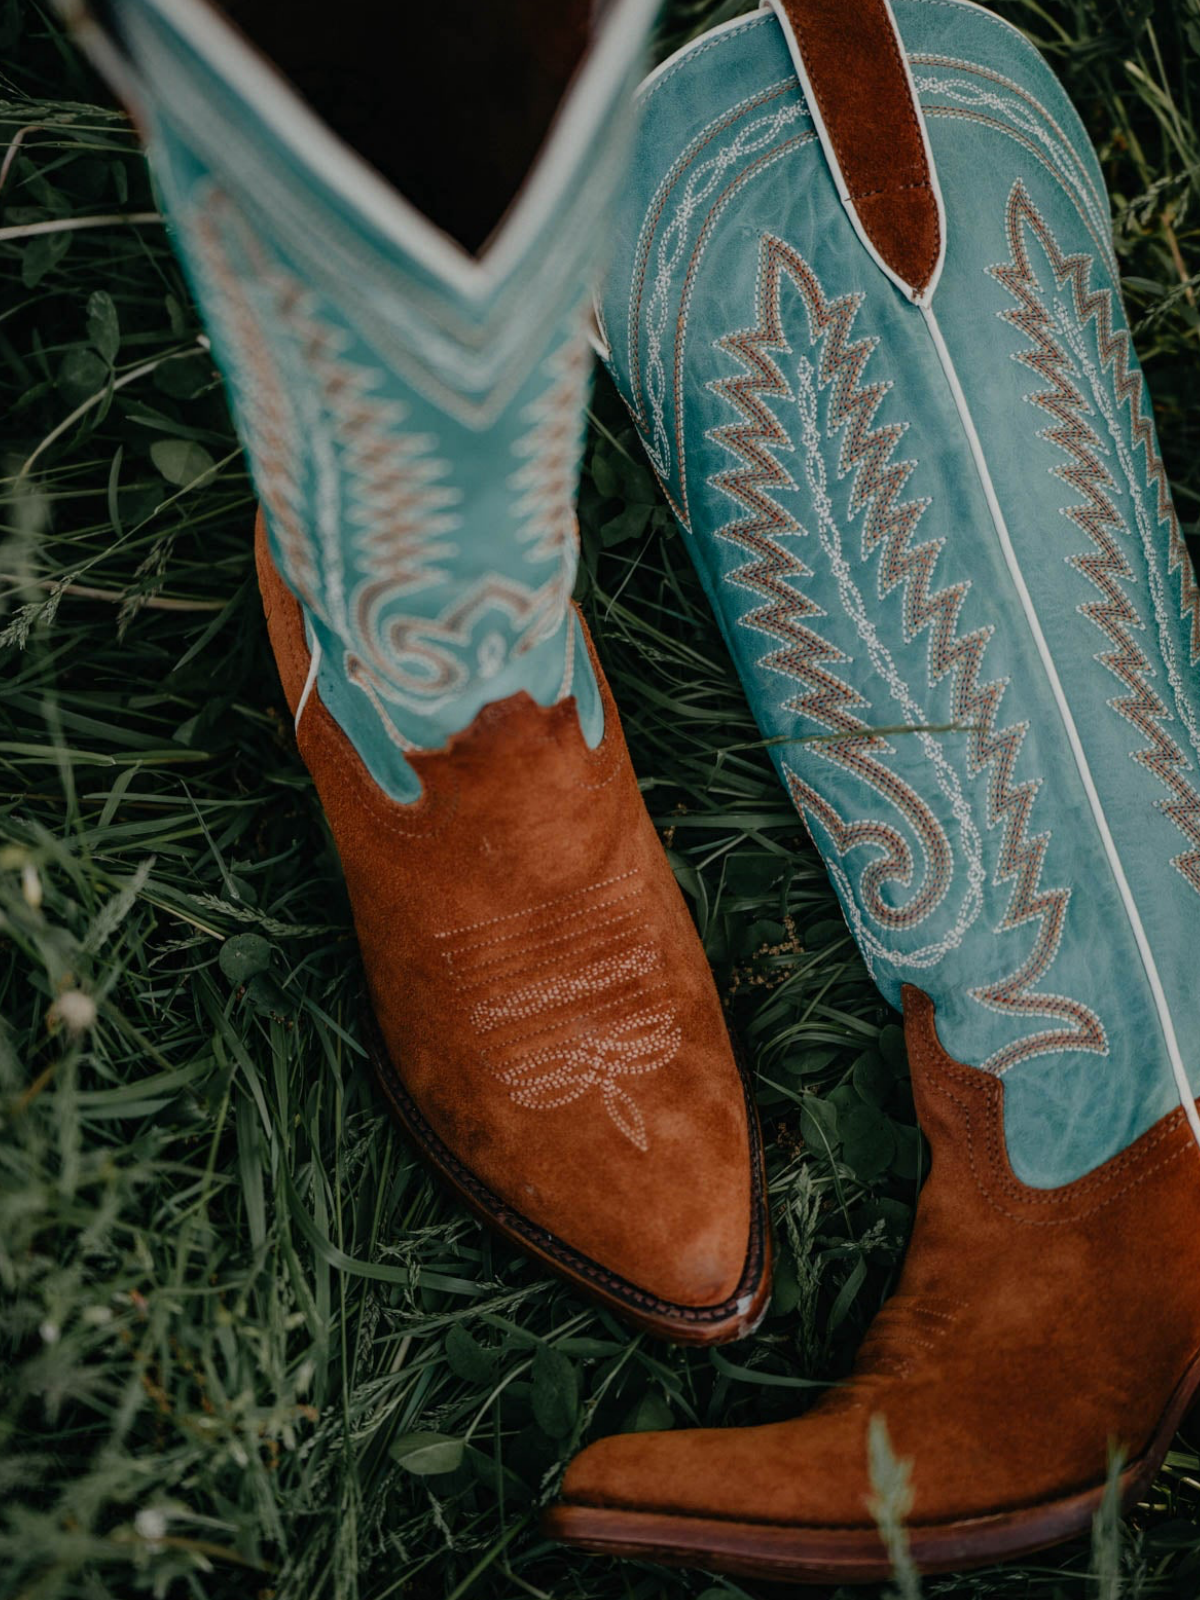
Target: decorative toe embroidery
<point>570,999</point>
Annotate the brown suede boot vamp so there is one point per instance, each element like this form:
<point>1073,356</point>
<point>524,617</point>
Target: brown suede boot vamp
<point>548,1028</point>
<point>1032,1331</point>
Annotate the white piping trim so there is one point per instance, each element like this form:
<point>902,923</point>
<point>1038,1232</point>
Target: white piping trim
<point>1001,22</point>
<point>922,297</point>
<point>730,25</point>
<point>315,145</point>
<point>596,335</point>
<point>748,17</point>
<point>1186,1098</point>
<point>314,662</point>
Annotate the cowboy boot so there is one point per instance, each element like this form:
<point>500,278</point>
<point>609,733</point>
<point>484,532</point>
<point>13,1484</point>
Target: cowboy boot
<point>412,404</point>
<point>864,312</point>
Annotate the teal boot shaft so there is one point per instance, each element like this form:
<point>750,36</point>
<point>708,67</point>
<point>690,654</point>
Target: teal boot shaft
<point>412,413</point>
<point>950,513</point>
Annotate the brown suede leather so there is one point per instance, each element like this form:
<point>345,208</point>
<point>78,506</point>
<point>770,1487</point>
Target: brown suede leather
<point>1030,1328</point>
<point>852,58</point>
<point>544,1000</point>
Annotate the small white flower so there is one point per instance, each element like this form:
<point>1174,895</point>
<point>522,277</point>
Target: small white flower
<point>74,1011</point>
<point>31,885</point>
<point>50,1332</point>
<point>151,1525</point>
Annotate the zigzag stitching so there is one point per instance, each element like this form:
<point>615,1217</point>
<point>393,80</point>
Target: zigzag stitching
<point>805,654</point>
<point>403,511</point>
<point>546,480</point>
<point>888,525</point>
<point>1107,569</point>
<point>852,601</point>
<point>269,415</point>
<point>1116,350</point>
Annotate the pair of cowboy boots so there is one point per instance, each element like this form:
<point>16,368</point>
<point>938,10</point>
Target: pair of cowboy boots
<point>862,305</point>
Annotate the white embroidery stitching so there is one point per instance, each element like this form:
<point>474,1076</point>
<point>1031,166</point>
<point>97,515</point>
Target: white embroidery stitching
<point>555,1034</point>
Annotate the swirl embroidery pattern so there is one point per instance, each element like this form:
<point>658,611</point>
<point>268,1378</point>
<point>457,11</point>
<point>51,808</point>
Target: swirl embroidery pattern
<point>777,576</point>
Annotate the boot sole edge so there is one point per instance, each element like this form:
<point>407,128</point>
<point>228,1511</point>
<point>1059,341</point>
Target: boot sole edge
<point>731,1319</point>
<point>828,1555</point>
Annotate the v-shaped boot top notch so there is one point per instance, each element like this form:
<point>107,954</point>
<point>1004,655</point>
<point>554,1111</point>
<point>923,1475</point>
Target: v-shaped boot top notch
<point>451,105</point>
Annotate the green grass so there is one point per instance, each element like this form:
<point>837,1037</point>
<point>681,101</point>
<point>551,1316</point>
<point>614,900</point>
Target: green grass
<point>233,1306</point>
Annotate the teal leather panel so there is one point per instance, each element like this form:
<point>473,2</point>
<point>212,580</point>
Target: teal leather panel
<point>414,439</point>
<point>798,414</point>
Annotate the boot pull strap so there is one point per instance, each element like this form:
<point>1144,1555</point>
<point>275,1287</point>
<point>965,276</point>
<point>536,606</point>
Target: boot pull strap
<point>852,68</point>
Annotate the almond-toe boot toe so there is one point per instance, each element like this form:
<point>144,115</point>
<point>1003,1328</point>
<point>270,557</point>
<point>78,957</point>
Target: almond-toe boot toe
<point>546,1023</point>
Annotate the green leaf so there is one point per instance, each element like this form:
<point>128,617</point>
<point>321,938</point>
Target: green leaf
<point>892,1049</point>
<point>765,1380</point>
<point>872,1076</point>
<point>268,998</point>
<point>868,1143</point>
<point>808,1063</point>
<point>785,1289</point>
<point>139,502</point>
<point>604,475</point>
<point>640,486</point>
<point>424,1454</point>
<point>184,377</point>
<point>243,956</point>
<point>818,1124</point>
<point>651,1414</point>
<point>103,328</point>
<point>41,255</point>
<point>686,876</point>
<point>843,1099</point>
<point>181,461</point>
<point>555,1392</point>
<point>629,523</point>
<point>847,1294</point>
<point>468,1359</point>
<point>82,374</point>
<point>241,888</point>
<point>583,1345</point>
